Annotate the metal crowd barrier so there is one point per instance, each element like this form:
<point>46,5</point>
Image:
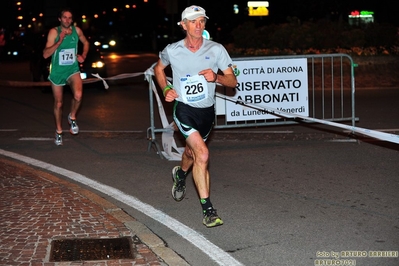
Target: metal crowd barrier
<point>331,88</point>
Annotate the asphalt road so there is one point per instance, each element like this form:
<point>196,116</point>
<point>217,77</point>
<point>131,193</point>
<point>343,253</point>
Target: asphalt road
<point>298,198</point>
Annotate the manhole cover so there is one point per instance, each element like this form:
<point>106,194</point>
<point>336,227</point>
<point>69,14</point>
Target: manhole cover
<point>91,249</point>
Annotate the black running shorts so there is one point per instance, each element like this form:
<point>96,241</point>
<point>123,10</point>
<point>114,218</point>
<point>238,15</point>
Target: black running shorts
<point>190,119</point>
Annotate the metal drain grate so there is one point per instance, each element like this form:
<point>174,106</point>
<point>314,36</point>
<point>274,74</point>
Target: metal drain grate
<point>91,249</point>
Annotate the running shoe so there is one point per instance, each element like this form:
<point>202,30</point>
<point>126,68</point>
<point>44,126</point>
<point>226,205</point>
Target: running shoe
<point>211,218</point>
<point>58,139</point>
<point>74,126</point>
<point>179,185</point>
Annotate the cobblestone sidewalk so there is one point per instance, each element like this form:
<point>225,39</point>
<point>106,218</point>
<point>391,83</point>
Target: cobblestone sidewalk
<point>37,208</point>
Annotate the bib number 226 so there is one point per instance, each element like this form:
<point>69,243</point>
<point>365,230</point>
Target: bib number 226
<point>194,89</point>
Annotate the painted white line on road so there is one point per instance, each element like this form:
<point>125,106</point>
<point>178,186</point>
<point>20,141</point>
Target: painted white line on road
<point>214,252</point>
<point>92,131</point>
<point>255,132</point>
<point>83,131</point>
<point>110,131</point>
<point>342,140</point>
<point>37,139</point>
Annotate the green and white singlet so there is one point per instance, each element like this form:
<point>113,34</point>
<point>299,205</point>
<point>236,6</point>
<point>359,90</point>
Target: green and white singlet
<point>64,62</point>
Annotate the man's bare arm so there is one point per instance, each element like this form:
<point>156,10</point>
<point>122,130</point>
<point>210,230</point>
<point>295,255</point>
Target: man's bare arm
<point>51,44</point>
<point>228,78</point>
<point>160,76</point>
<point>85,42</point>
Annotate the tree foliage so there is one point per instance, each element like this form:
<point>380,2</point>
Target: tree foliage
<point>323,35</point>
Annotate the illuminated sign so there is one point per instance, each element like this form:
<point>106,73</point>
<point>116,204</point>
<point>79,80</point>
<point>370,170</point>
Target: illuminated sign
<point>258,8</point>
<point>362,17</point>
<point>361,14</point>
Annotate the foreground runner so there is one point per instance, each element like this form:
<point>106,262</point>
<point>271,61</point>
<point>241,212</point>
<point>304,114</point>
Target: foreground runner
<point>195,63</point>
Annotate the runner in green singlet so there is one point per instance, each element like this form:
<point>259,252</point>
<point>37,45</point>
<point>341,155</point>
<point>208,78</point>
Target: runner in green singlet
<point>62,46</point>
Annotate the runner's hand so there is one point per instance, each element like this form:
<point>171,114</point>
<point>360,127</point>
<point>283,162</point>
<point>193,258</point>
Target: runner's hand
<point>208,74</point>
<point>80,58</point>
<point>171,95</point>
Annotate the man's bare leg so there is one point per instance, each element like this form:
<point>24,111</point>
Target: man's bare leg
<point>58,102</point>
<point>199,160</point>
<point>200,156</point>
<point>77,90</point>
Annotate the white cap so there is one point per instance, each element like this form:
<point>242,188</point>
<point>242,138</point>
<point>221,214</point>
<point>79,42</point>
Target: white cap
<point>192,12</point>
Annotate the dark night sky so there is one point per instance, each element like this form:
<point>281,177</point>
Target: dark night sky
<point>218,10</point>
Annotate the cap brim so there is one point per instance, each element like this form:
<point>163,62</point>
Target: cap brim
<point>193,17</point>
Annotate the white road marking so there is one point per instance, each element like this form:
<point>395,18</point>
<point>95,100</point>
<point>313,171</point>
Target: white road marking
<point>82,131</point>
<point>255,131</point>
<point>342,140</point>
<point>214,252</point>
<point>37,139</point>
<point>111,131</point>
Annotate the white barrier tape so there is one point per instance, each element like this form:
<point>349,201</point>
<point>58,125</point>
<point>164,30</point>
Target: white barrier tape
<point>104,82</point>
<point>125,76</point>
<point>368,132</point>
<point>11,83</point>
<point>170,149</point>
